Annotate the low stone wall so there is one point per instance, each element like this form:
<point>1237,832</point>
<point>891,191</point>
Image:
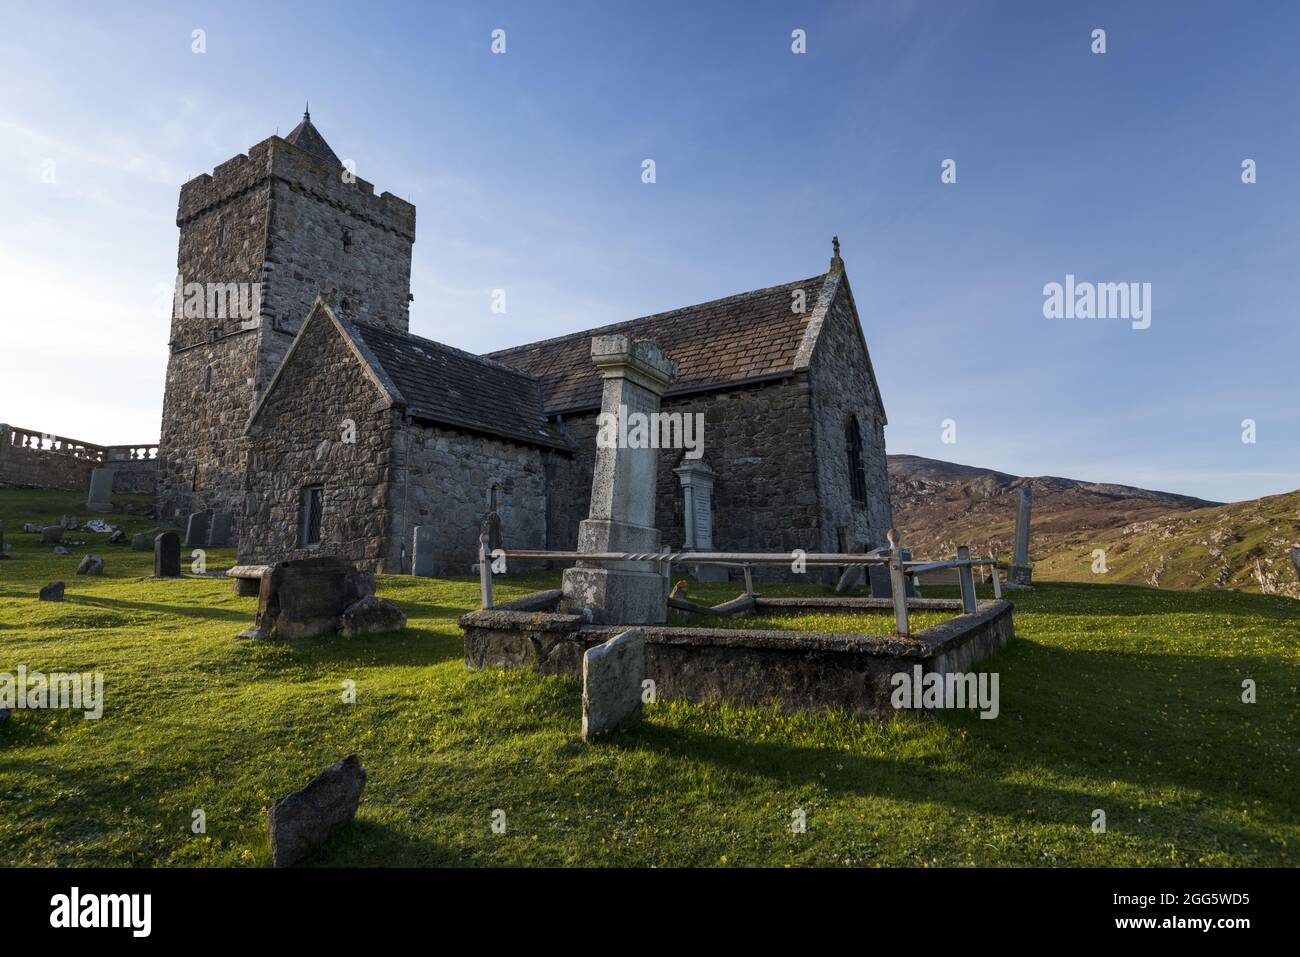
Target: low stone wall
<point>30,459</point>
<point>817,671</point>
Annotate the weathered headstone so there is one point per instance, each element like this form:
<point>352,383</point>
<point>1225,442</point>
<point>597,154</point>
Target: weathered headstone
<point>881,586</point>
<point>1020,572</point>
<point>117,537</point>
<point>60,550</point>
<point>91,565</point>
<point>369,616</point>
<point>307,597</point>
<point>69,522</point>
<point>100,498</point>
<point>697,515</point>
<point>51,534</point>
<point>423,561</point>
<point>219,530</point>
<point>305,819</point>
<point>611,683</point>
<point>52,592</point>
<point>196,529</point>
<point>622,518</point>
<point>167,556</point>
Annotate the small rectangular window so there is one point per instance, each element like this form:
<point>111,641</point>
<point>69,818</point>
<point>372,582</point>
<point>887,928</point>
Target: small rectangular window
<point>310,515</point>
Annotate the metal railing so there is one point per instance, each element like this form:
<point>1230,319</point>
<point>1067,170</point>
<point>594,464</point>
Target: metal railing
<point>892,557</point>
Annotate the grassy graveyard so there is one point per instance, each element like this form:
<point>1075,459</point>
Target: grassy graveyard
<point>1118,698</point>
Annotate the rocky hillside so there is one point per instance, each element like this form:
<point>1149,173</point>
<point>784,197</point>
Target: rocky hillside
<point>1150,538</point>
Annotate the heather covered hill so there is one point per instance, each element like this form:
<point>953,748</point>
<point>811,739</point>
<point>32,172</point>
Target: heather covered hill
<point>1150,537</point>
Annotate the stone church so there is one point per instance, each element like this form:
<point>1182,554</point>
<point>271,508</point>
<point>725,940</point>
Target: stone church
<point>318,424</point>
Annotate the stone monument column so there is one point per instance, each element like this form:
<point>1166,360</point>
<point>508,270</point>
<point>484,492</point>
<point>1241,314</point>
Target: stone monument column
<point>1020,573</point>
<point>622,517</point>
<point>697,488</point>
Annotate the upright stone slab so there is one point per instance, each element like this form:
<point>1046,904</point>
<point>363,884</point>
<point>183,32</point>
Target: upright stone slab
<point>219,530</point>
<point>100,498</point>
<point>697,493</point>
<point>167,556</point>
<point>1020,573</point>
<point>306,818</point>
<point>196,529</point>
<point>1295,560</point>
<point>611,683</point>
<point>622,517</point>
<point>51,534</point>
<point>882,587</point>
<point>423,561</point>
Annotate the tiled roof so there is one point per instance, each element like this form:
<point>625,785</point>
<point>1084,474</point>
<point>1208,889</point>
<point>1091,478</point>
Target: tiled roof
<point>455,388</point>
<point>722,342</point>
<point>305,136</point>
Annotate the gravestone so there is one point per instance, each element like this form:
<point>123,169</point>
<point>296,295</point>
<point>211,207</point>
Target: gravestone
<point>307,597</point>
<point>1295,560</point>
<point>611,683</point>
<point>423,561</point>
<point>100,498</point>
<point>52,592</point>
<point>196,529</point>
<point>219,530</point>
<point>880,583</point>
<point>69,522</point>
<point>305,819</point>
<point>1020,573</point>
<point>697,515</point>
<point>622,517</point>
<point>91,565</point>
<point>167,556</point>
<point>51,534</point>
<point>142,542</point>
<point>369,616</point>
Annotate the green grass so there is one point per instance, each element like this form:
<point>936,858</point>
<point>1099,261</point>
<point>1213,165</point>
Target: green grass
<point>1113,697</point>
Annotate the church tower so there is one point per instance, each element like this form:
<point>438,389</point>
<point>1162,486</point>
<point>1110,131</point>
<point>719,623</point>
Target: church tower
<point>260,238</point>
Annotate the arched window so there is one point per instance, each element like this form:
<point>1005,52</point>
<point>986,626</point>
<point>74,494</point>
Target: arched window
<point>857,472</point>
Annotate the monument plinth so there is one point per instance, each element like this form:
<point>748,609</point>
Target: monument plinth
<point>622,516</point>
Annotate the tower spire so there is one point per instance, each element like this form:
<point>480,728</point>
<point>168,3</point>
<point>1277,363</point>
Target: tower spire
<point>306,113</point>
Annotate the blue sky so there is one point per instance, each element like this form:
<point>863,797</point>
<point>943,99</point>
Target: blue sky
<point>526,172</point>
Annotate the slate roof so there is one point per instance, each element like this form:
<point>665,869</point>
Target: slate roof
<point>724,342</point>
<point>305,136</point>
<point>451,387</point>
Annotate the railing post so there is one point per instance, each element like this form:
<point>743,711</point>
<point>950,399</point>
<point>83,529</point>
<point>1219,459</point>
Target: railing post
<point>749,579</point>
<point>997,582</point>
<point>484,572</point>
<point>967,579</point>
<point>898,586</point>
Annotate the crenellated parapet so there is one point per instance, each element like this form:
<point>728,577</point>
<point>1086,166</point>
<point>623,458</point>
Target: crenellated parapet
<point>277,159</point>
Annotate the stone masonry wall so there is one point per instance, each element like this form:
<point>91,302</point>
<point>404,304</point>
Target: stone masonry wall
<point>756,437</point>
<point>222,220</point>
<point>445,480</point>
<point>842,385</point>
<point>276,216</point>
<point>298,440</point>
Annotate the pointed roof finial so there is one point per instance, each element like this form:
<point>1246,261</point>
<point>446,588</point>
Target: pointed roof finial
<point>837,264</point>
<point>306,113</point>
